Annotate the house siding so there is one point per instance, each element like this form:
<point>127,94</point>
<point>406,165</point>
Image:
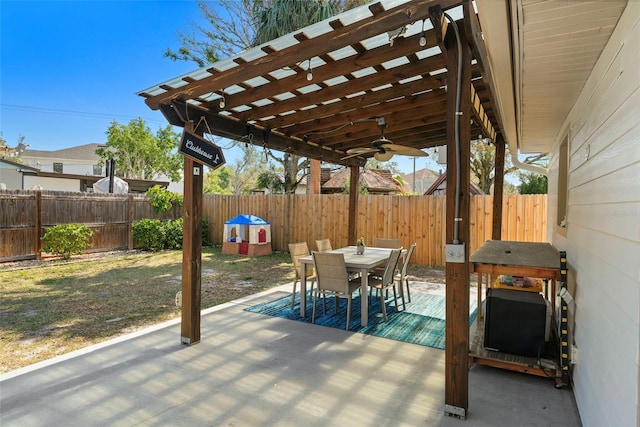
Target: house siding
<point>602,238</point>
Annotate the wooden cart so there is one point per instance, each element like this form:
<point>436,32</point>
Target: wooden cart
<point>539,260</point>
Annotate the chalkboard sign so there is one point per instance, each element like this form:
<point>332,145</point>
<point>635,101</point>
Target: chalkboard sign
<point>201,150</point>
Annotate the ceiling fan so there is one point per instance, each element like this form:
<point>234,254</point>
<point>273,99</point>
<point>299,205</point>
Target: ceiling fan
<point>383,148</point>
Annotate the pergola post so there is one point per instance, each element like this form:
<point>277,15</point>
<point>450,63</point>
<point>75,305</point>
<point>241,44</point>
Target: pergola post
<point>313,181</point>
<point>191,250</point>
<point>457,270</point>
<point>354,181</point>
<point>498,189</point>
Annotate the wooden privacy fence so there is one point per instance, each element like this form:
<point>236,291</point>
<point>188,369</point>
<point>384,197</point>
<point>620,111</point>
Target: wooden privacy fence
<point>294,218</point>
<point>24,215</point>
<point>419,219</point>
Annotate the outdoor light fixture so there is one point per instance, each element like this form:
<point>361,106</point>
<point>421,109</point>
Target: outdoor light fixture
<point>309,71</point>
<point>222,101</point>
<point>423,37</point>
<point>394,34</point>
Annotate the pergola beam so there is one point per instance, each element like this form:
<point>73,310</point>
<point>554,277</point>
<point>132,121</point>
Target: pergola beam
<point>178,112</point>
<point>479,49</point>
<point>481,116</point>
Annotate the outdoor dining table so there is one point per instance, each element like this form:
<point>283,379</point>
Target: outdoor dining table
<point>361,263</point>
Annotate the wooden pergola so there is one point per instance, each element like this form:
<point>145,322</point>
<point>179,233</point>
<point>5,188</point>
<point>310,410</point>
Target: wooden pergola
<point>318,92</point>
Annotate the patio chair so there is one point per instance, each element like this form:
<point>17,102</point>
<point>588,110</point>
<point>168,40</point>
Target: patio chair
<point>333,279</point>
<point>298,250</point>
<point>401,277</point>
<point>386,281</point>
<point>323,245</point>
<point>379,242</point>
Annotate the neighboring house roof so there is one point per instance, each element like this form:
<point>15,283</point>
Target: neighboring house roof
<point>12,164</point>
<point>424,178</point>
<point>135,185</point>
<point>374,180</point>
<point>440,187</point>
<point>80,152</point>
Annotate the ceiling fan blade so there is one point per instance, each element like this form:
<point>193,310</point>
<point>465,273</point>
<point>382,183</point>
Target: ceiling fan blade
<point>355,152</point>
<point>383,156</point>
<point>349,156</point>
<point>404,150</point>
<point>361,150</point>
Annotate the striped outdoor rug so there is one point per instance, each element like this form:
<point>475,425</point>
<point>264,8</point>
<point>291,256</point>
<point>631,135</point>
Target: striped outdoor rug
<point>422,323</point>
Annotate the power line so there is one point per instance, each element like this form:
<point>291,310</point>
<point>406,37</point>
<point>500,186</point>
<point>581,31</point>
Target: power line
<point>33,109</point>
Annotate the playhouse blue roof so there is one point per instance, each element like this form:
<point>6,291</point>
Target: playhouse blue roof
<point>247,220</point>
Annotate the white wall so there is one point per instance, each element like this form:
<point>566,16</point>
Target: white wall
<point>70,166</point>
<point>53,184</point>
<point>10,177</point>
<point>603,233</point>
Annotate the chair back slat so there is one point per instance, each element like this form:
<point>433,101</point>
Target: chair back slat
<point>323,245</point>
<point>386,243</point>
<point>297,251</point>
<point>331,271</point>
<point>407,258</point>
<point>389,270</point>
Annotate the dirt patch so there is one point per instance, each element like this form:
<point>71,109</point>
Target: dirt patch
<point>52,260</point>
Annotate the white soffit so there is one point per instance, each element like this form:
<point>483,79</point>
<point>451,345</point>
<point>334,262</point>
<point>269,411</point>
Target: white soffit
<point>556,46</point>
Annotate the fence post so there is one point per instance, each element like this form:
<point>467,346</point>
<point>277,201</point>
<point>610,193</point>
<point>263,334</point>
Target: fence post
<point>130,222</point>
<point>37,224</point>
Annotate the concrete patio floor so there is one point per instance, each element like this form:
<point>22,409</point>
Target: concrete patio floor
<point>254,370</point>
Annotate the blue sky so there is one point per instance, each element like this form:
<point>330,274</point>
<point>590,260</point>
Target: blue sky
<point>70,68</point>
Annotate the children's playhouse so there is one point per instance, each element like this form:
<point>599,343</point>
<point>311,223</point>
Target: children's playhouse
<point>247,235</point>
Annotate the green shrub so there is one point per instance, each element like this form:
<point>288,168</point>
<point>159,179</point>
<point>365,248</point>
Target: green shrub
<point>155,235</point>
<point>66,239</point>
<point>148,234</point>
<point>205,232</point>
<point>173,234</point>
<point>162,199</point>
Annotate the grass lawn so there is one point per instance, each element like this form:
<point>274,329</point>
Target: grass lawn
<point>49,308</point>
<point>59,307</point>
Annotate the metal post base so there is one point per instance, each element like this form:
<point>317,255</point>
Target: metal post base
<point>187,341</point>
<point>455,411</point>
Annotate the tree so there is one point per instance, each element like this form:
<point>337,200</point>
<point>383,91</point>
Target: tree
<point>141,155</point>
<point>246,170</point>
<point>218,181</point>
<point>276,18</point>
<point>270,179</point>
<point>362,188</point>
<point>14,153</point>
<point>391,166</point>
<point>483,163</point>
<point>222,35</point>
<point>247,23</point>
<point>532,183</point>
